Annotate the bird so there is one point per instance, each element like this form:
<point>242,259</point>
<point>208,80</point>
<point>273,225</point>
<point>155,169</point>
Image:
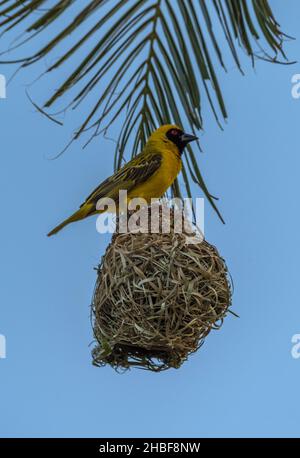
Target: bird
<point>148,175</point>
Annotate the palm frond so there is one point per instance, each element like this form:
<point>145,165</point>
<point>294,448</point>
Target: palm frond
<point>163,55</point>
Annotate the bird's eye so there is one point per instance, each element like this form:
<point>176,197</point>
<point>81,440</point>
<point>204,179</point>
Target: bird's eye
<point>174,135</point>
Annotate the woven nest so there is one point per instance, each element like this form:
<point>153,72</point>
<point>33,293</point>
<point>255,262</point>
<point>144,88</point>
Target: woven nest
<point>156,299</point>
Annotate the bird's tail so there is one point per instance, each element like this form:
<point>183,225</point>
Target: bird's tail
<point>83,212</point>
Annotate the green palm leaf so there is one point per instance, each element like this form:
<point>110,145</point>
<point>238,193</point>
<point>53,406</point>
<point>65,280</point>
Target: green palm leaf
<point>163,55</point>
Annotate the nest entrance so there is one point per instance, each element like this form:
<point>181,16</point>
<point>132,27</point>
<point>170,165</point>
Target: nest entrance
<point>156,299</point>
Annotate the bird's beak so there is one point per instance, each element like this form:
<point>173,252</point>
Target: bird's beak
<point>187,138</point>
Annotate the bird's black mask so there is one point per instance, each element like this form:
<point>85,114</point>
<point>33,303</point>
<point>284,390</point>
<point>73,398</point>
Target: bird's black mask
<point>180,138</point>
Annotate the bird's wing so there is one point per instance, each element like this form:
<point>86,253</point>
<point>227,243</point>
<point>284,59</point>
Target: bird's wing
<point>136,172</point>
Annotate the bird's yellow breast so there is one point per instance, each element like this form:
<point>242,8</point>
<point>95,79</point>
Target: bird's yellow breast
<point>161,180</point>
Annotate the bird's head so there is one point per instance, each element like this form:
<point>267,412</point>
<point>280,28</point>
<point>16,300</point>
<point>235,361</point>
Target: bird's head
<point>172,136</point>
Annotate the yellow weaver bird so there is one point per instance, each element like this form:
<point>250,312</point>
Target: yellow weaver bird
<point>147,176</point>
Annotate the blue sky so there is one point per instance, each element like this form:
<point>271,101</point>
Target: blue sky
<point>243,381</point>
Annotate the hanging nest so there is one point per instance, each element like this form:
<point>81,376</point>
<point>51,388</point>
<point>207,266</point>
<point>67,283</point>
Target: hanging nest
<point>156,299</point>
